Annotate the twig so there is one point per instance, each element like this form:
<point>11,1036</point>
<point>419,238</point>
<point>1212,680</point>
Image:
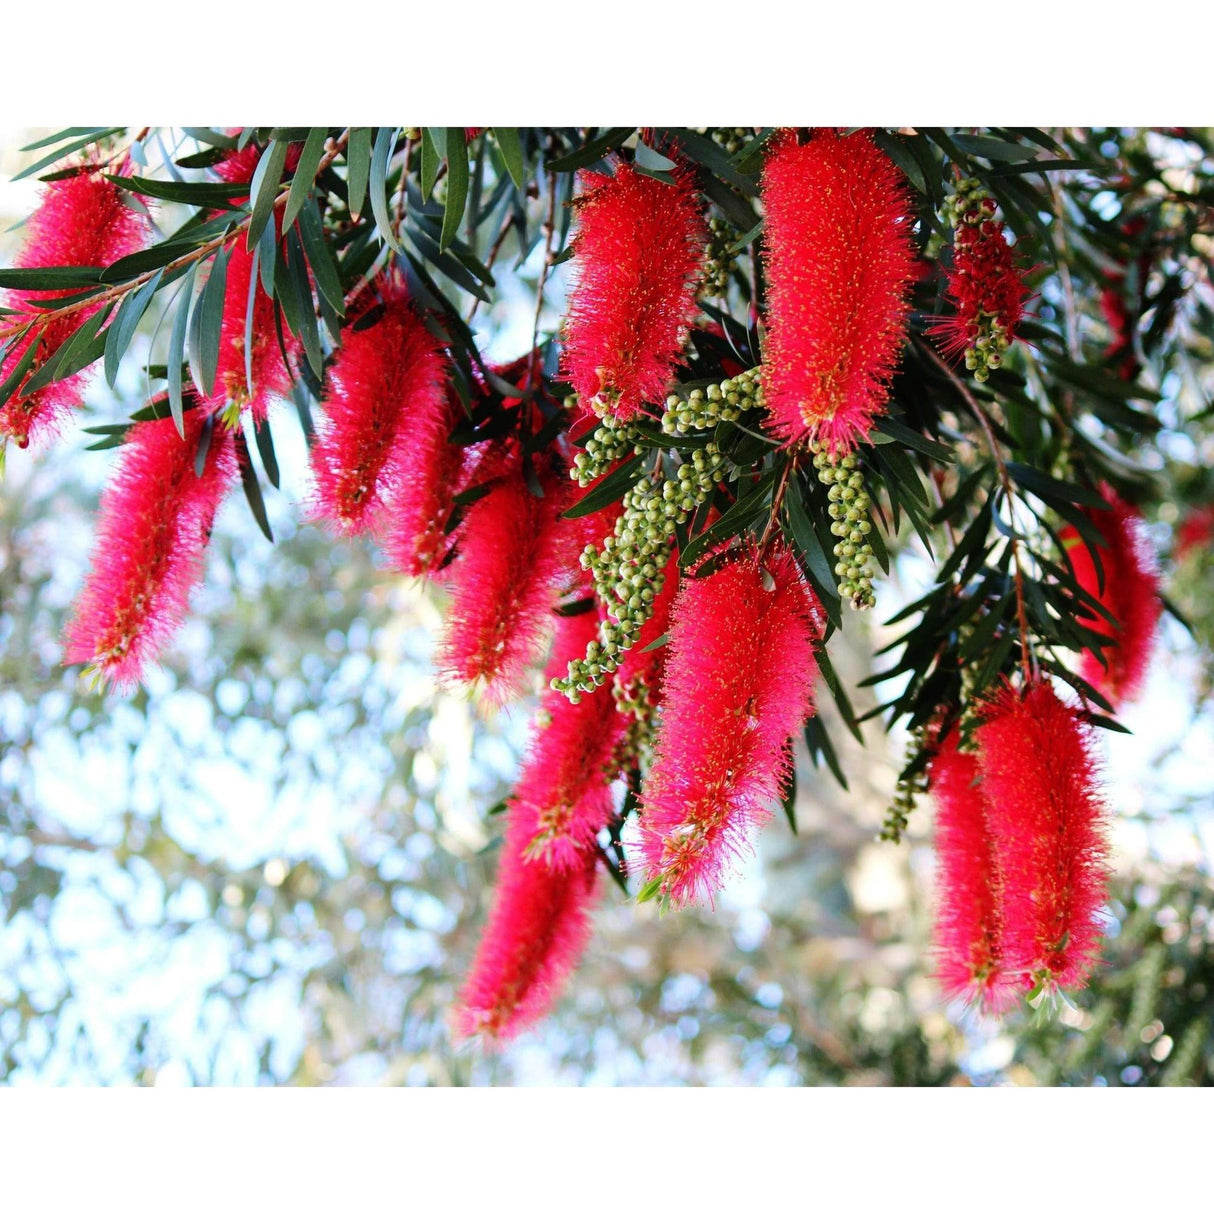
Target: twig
<point>777,499</point>
<point>493,252</point>
<point>1008,493</point>
<point>549,229</point>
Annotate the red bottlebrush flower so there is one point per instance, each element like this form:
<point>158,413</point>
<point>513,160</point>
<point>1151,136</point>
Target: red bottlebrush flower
<point>1131,595</point>
<point>638,253</point>
<point>387,418</point>
<point>969,928</point>
<point>566,782</point>
<point>839,263</point>
<point>738,685</point>
<point>155,521</point>
<point>270,375</point>
<point>514,549</point>
<point>537,930</point>
<point>1120,351</point>
<point>82,220</point>
<point>1195,531</point>
<point>1047,820</point>
<point>984,286</point>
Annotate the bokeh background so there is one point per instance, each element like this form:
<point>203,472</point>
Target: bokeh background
<point>271,864</point>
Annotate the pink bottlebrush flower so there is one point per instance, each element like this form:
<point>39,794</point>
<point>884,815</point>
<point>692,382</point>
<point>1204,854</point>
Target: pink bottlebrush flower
<point>566,782</point>
<point>1195,531</point>
<point>1131,594</point>
<point>514,550</point>
<point>969,928</point>
<point>839,261</point>
<point>638,254</point>
<point>154,524</point>
<point>386,413</point>
<point>270,375</point>
<point>82,220</point>
<point>738,685</point>
<point>986,289</point>
<point>537,931</point>
<point>1047,819</point>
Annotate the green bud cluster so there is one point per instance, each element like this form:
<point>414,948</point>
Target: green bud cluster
<point>731,138</point>
<point>704,407</point>
<point>849,507</point>
<point>610,442</point>
<point>906,793</point>
<point>718,265</point>
<point>629,572</point>
<point>970,206</point>
<point>632,699</point>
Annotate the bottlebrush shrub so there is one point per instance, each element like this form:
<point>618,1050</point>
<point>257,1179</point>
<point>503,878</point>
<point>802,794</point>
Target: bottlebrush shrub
<point>383,443</point>
<point>1130,594</point>
<point>514,554</point>
<point>738,686</point>
<point>971,955</point>
<point>638,255</point>
<point>82,220</point>
<point>839,261</point>
<point>984,285</point>
<point>1046,817</point>
<point>153,528</point>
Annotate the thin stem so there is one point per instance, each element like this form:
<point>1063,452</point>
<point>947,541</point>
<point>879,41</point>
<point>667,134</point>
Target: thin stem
<point>549,229</point>
<point>1008,493</point>
<point>493,252</point>
<point>777,499</point>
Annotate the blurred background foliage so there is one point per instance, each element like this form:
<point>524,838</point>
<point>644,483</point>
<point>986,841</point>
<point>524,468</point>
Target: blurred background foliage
<point>271,865</point>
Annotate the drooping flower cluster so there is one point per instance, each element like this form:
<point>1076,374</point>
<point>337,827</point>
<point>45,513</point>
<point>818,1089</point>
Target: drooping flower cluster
<point>738,686</point>
<point>969,927</point>
<point>637,256</point>
<point>514,552</point>
<point>1130,594</point>
<point>547,875</point>
<point>154,525</point>
<point>82,220</point>
<point>839,261</point>
<point>984,285</point>
<point>1022,851</point>
<point>383,444</point>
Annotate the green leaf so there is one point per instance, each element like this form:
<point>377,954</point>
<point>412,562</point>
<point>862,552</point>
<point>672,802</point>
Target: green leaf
<point>789,800</point>
<point>264,189</point>
<point>902,156</point>
<point>215,139</point>
<point>1052,490</point>
<point>611,488</point>
<point>457,185</point>
<point>301,311</point>
<point>511,147</point>
<point>52,278</point>
<point>205,354</point>
<point>252,487</point>
<point>305,173</point>
<point>71,132</point>
<point>265,448</point>
<point>84,346</point>
<point>989,148</point>
<point>119,335</point>
<point>75,145</point>
<point>320,257</point>
<point>590,152</point>
<point>358,167</point>
<point>805,539</point>
<point>822,749</point>
<point>431,162</point>
<point>912,438</point>
<point>381,154</point>
<point>19,371</point>
<point>209,194</point>
<point>176,355</point>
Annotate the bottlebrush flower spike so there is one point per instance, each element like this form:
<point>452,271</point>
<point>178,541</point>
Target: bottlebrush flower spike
<point>537,931</point>
<point>839,261</point>
<point>514,550</point>
<point>1131,595</point>
<point>637,256</point>
<point>1195,531</point>
<point>387,418</point>
<point>738,685</point>
<point>1047,820</point>
<point>566,782</point>
<point>234,390</point>
<point>154,524</point>
<point>971,960</point>
<point>984,284</point>
<point>81,220</point>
